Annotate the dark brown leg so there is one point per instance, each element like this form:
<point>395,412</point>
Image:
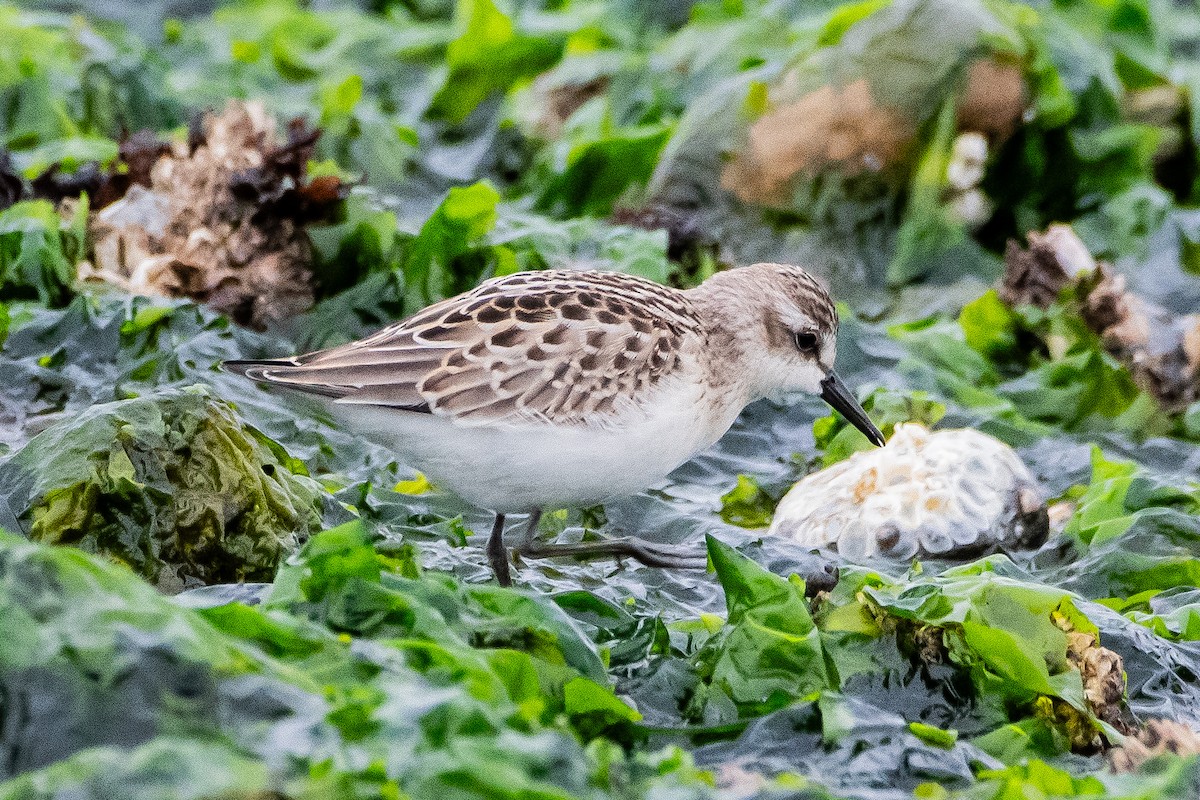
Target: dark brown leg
<point>649,553</point>
<point>497,556</point>
<point>531,529</point>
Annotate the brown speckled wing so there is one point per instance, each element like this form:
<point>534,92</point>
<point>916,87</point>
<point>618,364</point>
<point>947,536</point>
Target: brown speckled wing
<point>553,346</point>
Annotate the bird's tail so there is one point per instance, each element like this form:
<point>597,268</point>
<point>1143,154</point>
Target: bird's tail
<point>261,370</point>
<point>256,370</point>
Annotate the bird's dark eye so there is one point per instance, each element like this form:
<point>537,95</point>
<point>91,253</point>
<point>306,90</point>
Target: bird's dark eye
<point>806,341</point>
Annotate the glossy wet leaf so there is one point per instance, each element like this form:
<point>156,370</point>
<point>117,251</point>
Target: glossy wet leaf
<point>490,54</point>
<point>173,485</point>
<point>887,409</point>
<point>747,505</point>
<point>38,249</point>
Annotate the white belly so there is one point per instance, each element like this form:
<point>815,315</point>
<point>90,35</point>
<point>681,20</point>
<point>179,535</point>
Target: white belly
<point>518,469</point>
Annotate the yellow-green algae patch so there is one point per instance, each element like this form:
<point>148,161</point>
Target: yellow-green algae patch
<point>172,484</point>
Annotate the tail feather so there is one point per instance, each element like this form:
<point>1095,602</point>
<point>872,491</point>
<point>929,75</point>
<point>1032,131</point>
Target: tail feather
<point>256,370</point>
<point>260,370</point>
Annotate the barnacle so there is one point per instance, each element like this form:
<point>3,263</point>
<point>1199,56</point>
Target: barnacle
<point>944,493</point>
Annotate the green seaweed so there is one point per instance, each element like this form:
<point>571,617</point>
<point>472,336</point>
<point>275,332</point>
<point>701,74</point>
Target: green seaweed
<point>171,484</point>
<point>377,659</point>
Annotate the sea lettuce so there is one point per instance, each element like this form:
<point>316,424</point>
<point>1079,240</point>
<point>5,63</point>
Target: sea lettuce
<point>488,136</point>
<point>172,484</point>
<point>1163,778</point>
<point>184,768</point>
<point>39,250</point>
<point>970,661</point>
<point>404,264</point>
<point>444,258</point>
<point>605,164</point>
<point>747,504</point>
<point>420,690</point>
<point>490,54</point>
<point>1033,369</point>
<point>887,409</point>
<point>1134,534</point>
<point>767,654</point>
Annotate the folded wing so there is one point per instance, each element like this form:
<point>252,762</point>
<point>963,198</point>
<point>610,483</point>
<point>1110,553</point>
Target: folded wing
<point>557,347</point>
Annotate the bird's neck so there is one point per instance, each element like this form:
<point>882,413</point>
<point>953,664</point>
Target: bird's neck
<point>729,356</point>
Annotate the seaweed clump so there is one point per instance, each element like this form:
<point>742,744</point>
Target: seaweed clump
<point>849,129</point>
<point>171,484</point>
<point>829,128</point>
<point>222,220</point>
<point>1102,673</point>
<point>1160,349</point>
<point>1159,737</point>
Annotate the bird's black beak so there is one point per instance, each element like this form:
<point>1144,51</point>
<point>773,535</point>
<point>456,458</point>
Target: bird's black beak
<point>838,395</point>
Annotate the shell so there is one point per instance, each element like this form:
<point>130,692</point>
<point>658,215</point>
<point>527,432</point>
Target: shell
<point>927,494</point>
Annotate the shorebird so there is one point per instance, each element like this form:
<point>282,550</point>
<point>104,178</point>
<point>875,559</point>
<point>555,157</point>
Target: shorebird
<point>563,389</point>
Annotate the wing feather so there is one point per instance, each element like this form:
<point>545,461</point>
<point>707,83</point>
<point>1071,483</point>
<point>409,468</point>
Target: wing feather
<point>555,346</point>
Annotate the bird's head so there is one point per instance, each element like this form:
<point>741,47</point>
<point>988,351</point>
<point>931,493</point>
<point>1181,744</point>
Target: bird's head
<point>789,326</point>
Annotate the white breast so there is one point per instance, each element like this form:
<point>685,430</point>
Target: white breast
<point>516,468</point>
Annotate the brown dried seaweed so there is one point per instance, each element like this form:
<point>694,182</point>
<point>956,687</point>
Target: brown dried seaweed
<point>1161,350</point>
<point>1158,737</point>
<point>222,220</point>
<point>139,153</point>
<point>1035,275</point>
<point>12,188</point>
<point>136,156</point>
<point>847,130</point>
<point>1102,673</point>
<point>994,99</point>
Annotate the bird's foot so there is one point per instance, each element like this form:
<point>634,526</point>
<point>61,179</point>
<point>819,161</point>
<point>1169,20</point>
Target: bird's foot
<point>649,553</point>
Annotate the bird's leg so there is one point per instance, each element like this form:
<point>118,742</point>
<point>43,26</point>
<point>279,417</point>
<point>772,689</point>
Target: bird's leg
<point>497,555</point>
<point>649,553</point>
<point>531,528</point>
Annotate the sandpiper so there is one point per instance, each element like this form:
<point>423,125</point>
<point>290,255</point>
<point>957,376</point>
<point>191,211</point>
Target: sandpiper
<point>562,389</point>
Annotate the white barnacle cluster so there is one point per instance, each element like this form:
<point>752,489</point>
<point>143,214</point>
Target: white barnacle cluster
<point>927,494</point>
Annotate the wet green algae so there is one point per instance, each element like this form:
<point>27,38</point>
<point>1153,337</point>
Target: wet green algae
<point>171,484</point>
